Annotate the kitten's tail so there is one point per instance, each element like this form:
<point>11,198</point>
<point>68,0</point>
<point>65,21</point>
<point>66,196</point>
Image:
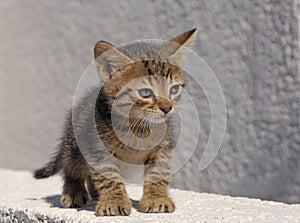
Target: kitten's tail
<point>54,165</point>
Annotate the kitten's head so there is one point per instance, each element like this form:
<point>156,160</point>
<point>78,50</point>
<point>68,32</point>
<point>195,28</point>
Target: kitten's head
<point>142,80</point>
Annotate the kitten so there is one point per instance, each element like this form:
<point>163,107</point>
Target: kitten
<point>141,86</point>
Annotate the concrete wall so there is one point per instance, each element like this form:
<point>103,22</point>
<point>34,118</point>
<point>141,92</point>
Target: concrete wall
<point>251,45</point>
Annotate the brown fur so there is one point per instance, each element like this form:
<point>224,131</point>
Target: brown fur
<point>99,172</point>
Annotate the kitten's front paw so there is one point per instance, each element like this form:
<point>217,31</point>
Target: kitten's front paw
<point>113,207</point>
<point>157,205</point>
<point>76,201</point>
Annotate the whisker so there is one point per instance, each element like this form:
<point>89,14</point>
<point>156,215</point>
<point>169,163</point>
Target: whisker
<point>133,125</point>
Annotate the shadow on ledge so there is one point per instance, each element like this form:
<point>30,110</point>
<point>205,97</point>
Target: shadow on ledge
<point>54,201</point>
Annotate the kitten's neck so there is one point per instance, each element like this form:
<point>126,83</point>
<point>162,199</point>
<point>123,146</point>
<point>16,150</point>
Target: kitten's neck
<point>140,128</point>
<point>139,134</point>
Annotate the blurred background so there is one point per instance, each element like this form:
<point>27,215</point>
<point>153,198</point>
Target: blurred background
<point>252,47</point>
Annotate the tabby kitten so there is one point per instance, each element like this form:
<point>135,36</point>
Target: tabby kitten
<point>141,86</point>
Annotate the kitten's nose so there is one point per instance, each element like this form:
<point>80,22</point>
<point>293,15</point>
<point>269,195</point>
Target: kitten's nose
<point>165,109</point>
<point>164,104</point>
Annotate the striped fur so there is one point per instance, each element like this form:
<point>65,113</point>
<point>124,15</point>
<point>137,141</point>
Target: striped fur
<point>96,171</point>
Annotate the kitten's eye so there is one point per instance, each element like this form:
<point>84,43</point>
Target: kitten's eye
<point>174,89</point>
<point>145,93</point>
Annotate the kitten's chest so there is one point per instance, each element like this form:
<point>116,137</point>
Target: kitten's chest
<point>133,150</point>
<point>132,156</point>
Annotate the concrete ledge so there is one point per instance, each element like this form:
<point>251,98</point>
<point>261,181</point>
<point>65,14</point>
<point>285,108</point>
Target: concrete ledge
<point>24,199</point>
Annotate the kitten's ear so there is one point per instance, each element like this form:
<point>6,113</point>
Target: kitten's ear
<point>175,47</point>
<point>109,59</point>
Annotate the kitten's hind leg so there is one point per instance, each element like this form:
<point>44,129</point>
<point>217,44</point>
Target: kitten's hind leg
<point>74,193</point>
<point>91,188</point>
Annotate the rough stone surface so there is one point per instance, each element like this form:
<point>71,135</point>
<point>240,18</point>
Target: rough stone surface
<point>24,199</point>
<point>252,46</point>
